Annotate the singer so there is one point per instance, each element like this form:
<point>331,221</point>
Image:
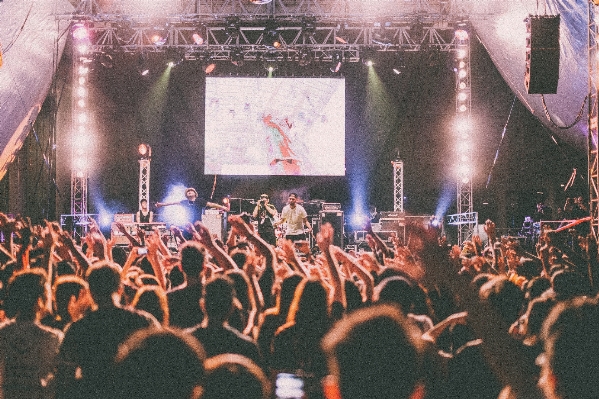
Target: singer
<point>265,213</point>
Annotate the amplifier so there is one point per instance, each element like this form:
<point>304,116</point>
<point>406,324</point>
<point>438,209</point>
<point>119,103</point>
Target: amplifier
<point>335,218</point>
<point>391,215</point>
<point>124,217</point>
<point>214,221</point>
<point>331,206</point>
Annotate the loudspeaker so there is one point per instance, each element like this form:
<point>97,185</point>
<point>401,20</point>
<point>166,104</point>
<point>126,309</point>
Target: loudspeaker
<point>542,54</point>
<point>213,219</point>
<point>335,218</point>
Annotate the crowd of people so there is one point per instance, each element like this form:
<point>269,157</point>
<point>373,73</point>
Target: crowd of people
<point>243,318</point>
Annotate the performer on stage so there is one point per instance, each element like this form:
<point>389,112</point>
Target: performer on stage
<point>144,214</point>
<point>266,213</point>
<point>194,204</point>
<point>296,218</point>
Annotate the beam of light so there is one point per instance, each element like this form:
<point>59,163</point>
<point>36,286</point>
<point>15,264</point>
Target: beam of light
<point>445,200</point>
<point>378,122</point>
<point>175,215</point>
<point>153,106</point>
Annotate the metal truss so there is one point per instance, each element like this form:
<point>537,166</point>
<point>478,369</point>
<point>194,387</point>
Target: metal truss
<point>144,180</point>
<point>465,223</point>
<point>593,122</point>
<point>236,28</point>
<point>397,185</point>
<point>217,9</point>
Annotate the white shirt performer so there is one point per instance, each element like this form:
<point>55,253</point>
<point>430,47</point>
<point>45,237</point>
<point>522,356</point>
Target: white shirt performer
<point>296,218</point>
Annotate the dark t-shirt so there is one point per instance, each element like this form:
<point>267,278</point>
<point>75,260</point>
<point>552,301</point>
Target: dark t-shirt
<point>184,306</point>
<point>220,339</point>
<point>195,208</point>
<point>92,343</point>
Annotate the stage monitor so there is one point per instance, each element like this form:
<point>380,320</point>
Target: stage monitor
<point>275,126</point>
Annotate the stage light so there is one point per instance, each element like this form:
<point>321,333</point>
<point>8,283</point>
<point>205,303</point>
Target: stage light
<point>305,57</point>
<point>144,151</point>
<point>341,34</point>
<point>461,34</point>
<point>336,62</point>
<point>209,68</point>
<point>367,56</point>
<point>142,64</point>
<point>158,36</point>
<point>396,71</point>
<point>237,56</point>
<point>461,53</point>
<point>81,92</point>
<point>462,108</point>
<point>369,63</point>
<point>462,73</point>
<point>83,49</point>
<point>106,59</point>
<point>174,57</point>
<point>232,29</point>
<point>270,36</point>
<point>260,2</point>
<point>380,36</point>
<point>462,85</point>
<point>80,32</point>
<point>197,39</point>
<point>308,26</point>
<point>83,70</point>
<point>81,103</point>
<point>462,96</point>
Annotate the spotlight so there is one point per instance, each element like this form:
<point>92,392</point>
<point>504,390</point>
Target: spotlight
<point>341,34</point>
<point>308,26</point>
<point>142,64</point>
<point>198,39</point>
<point>237,56</point>
<point>396,71</point>
<point>158,36</point>
<point>380,35</point>
<point>270,36</point>
<point>144,151</point>
<point>80,32</point>
<point>305,57</point>
<point>106,59</point>
<point>232,29</point>
<point>174,57</point>
<point>367,57</point>
<point>461,34</point>
<point>337,61</point>
<point>259,2</point>
<point>209,68</point>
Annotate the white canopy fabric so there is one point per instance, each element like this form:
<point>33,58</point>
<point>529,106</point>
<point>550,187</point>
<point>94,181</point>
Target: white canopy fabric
<point>33,39</point>
<point>32,42</point>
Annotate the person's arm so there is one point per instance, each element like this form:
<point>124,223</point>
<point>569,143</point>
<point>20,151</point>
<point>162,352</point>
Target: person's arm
<point>307,224</point>
<point>292,259</point>
<point>324,239</point>
<point>253,238</point>
<point>151,217</point>
<point>220,207</point>
<point>121,227</point>
<point>202,234</point>
<point>163,204</point>
<point>355,267</point>
<point>433,334</point>
<point>79,257</point>
<point>153,245</point>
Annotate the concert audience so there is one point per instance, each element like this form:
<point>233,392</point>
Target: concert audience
<point>422,320</point>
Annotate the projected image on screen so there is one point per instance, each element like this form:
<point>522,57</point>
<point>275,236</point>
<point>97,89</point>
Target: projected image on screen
<point>275,126</point>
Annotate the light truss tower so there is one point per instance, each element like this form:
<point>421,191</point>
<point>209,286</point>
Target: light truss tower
<point>144,180</point>
<point>593,122</point>
<point>466,218</point>
<point>397,185</point>
<point>80,131</point>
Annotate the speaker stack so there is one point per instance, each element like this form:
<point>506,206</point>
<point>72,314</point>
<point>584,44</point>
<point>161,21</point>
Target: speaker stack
<point>332,213</point>
<point>542,54</point>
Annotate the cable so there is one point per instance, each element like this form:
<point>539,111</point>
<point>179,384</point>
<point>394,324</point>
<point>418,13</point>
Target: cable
<point>580,112</point>
<point>500,142</point>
